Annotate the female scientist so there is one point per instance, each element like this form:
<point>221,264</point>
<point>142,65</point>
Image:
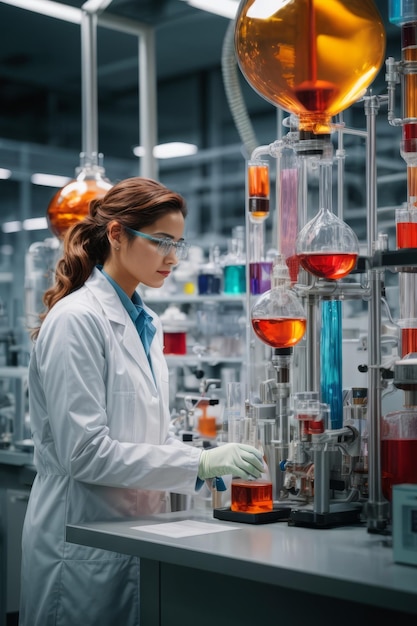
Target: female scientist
<point>98,402</point>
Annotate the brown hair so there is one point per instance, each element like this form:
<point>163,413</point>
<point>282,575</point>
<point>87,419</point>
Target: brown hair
<point>134,202</point>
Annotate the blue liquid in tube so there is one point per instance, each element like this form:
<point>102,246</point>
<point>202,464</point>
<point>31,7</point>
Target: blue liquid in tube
<point>331,367</point>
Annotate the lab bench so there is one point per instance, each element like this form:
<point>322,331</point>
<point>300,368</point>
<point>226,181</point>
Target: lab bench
<point>250,574</point>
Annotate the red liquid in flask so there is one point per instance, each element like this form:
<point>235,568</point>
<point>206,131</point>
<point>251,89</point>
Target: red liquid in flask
<point>333,266</point>
<point>251,496</point>
<point>398,463</point>
<point>406,235</point>
<point>280,332</point>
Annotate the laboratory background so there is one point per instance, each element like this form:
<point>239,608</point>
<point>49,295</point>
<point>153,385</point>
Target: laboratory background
<point>292,325</point>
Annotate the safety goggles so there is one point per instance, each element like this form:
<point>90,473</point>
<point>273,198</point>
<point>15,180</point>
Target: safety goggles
<point>165,245</point>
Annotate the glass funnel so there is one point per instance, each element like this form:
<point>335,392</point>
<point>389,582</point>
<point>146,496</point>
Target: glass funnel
<point>278,319</point>
<point>70,204</point>
<point>313,58</point>
<point>327,247</point>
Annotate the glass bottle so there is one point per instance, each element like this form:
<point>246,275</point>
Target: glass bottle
<point>71,203</point>
<point>399,430</point>
<point>258,190</point>
<point>209,278</point>
<point>278,319</point>
<point>234,263</point>
<point>313,58</point>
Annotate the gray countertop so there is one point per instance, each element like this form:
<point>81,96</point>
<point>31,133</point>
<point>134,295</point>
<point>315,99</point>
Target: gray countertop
<point>346,562</point>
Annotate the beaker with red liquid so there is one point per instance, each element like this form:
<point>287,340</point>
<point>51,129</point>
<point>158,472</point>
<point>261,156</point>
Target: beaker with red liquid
<point>398,449</point>
<point>251,496</point>
<point>406,228</point>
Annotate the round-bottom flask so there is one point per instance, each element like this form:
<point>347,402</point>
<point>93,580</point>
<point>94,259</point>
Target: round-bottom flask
<point>71,203</point>
<point>278,319</point>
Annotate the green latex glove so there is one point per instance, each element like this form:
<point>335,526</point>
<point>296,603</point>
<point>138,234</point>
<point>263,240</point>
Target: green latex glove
<point>237,459</point>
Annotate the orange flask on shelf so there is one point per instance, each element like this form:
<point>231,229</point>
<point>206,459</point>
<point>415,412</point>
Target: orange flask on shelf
<point>71,203</point>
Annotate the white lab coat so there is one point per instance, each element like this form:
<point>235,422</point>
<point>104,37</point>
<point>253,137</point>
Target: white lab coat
<point>99,423</point>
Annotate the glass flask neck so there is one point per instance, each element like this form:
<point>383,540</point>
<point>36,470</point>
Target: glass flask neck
<point>325,186</point>
<point>91,166</point>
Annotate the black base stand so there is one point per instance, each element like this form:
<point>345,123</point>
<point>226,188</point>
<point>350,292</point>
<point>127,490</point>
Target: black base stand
<point>338,515</point>
<point>277,514</point>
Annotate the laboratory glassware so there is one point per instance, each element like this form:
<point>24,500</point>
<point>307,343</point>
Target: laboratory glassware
<point>278,318</point>
<point>327,247</point>
<point>174,325</point>
<point>331,365</point>
<point>234,263</point>
<point>313,58</point>
<point>288,214</point>
<point>399,430</point>
<point>71,203</point>
<point>247,495</point>
<point>406,227</point>
<point>209,279</point>
<point>398,449</point>
<point>258,190</point>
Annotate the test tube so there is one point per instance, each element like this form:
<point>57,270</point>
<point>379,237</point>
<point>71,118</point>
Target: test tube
<point>331,360</point>
<point>288,214</point>
<point>258,190</point>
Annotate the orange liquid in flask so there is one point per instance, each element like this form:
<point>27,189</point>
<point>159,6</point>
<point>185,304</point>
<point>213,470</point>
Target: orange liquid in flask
<point>313,58</point>
<point>71,203</point>
<point>280,332</point>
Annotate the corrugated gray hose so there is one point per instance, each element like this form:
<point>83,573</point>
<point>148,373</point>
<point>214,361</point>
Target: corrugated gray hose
<point>234,93</point>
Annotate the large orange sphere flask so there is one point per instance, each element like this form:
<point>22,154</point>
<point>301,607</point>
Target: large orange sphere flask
<point>313,58</point>
<point>71,203</point>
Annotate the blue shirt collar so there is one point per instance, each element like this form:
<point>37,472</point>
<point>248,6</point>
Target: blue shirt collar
<point>130,304</point>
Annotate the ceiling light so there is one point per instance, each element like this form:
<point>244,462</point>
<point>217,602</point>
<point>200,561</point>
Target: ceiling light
<point>225,8</point>
<point>4,173</point>
<point>49,8</point>
<point>171,150</point>
<point>49,180</point>
<point>11,227</point>
<point>35,223</point>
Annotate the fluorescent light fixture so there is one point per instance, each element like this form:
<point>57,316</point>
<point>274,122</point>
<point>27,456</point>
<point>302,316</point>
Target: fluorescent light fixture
<point>4,173</point>
<point>49,180</point>
<point>49,8</point>
<point>11,227</point>
<point>171,150</point>
<point>35,223</point>
<point>225,8</point>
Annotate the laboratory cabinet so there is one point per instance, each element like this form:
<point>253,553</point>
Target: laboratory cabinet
<point>230,573</point>
<point>16,477</point>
